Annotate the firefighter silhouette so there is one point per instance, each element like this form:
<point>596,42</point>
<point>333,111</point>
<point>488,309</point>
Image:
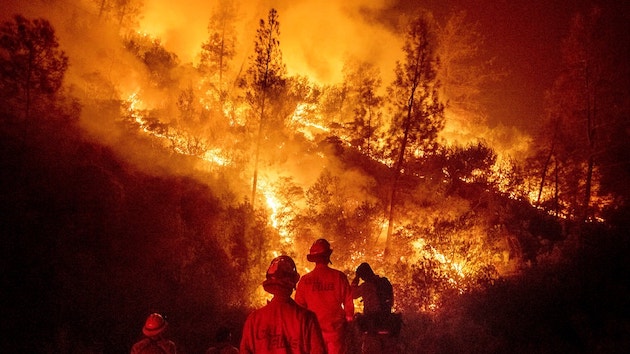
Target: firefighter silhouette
<point>326,291</point>
<point>378,326</point>
<point>282,326</point>
<point>154,341</point>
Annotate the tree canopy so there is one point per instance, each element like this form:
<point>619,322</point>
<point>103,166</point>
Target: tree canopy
<point>32,66</point>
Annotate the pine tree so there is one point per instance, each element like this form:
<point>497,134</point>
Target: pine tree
<point>362,81</point>
<point>417,113</point>
<point>585,110</point>
<point>220,48</point>
<point>265,76</point>
<point>32,66</point>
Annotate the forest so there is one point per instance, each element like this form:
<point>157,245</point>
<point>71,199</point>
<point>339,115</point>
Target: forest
<point>140,183</point>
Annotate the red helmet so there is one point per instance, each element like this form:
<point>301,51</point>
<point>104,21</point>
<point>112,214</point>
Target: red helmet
<point>282,272</point>
<point>154,325</point>
<point>320,249</point>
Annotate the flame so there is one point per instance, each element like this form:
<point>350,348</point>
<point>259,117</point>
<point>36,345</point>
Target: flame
<point>301,123</point>
<point>274,205</point>
<point>279,218</point>
<point>308,121</point>
<point>280,211</point>
<point>180,141</point>
<point>456,270</point>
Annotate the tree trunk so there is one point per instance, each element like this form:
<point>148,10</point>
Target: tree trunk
<point>397,168</point>
<point>29,70</point>
<point>257,156</point>
<point>260,129</point>
<point>543,176</point>
<point>590,136</point>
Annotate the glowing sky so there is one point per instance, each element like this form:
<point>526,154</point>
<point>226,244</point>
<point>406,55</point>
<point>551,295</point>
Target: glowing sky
<point>317,35</point>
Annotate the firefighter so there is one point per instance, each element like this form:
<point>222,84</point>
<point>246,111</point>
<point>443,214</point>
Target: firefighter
<point>154,341</point>
<point>282,326</point>
<point>326,291</point>
<point>379,327</point>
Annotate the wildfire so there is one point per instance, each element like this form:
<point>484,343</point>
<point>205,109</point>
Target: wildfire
<point>282,211</point>
<point>422,249</point>
<point>277,218</point>
<point>216,156</point>
<point>301,123</point>
<point>134,110</point>
<point>274,205</point>
<point>307,120</point>
<point>180,141</point>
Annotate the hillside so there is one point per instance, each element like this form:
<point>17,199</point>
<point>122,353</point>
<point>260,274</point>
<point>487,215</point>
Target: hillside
<point>91,244</point>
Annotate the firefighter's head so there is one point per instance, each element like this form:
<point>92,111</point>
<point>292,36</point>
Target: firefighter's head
<point>154,325</point>
<point>282,276</point>
<point>364,271</point>
<point>320,252</point>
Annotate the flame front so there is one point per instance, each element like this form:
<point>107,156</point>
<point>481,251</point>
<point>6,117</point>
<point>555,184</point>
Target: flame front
<point>188,112</point>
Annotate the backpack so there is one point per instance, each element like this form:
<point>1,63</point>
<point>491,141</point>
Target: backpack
<point>385,293</point>
<point>384,322</point>
<point>388,322</point>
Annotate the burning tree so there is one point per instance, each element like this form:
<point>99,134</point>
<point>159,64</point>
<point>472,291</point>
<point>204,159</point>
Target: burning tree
<point>418,115</point>
<point>265,77</point>
<point>363,81</point>
<point>585,109</point>
<point>219,50</point>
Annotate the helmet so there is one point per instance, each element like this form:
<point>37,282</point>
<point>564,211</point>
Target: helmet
<point>320,248</point>
<point>154,325</point>
<point>282,272</point>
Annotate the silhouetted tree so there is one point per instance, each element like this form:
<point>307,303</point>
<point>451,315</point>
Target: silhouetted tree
<point>464,69</point>
<point>220,48</point>
<point>265,76</point>
<point>32,66</point>
<point>291,106</point>
<point>362,81</point>
<point>470,163</point>
<point>159,61</point>
<point>417,113</point>
<point>585,109</point>
<point>124,12</point>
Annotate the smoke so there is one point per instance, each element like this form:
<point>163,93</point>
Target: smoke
<point>316,38</point>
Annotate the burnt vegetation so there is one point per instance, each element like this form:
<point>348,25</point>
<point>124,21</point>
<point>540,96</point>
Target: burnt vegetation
<point>92,241</point>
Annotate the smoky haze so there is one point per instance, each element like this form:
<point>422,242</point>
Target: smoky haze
<point>316,37</point>
<point>313,46</point>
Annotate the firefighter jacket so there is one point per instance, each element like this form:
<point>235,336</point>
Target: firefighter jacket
<point>326,291</point>
<point>368,293</point>
<point>282,326</point>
